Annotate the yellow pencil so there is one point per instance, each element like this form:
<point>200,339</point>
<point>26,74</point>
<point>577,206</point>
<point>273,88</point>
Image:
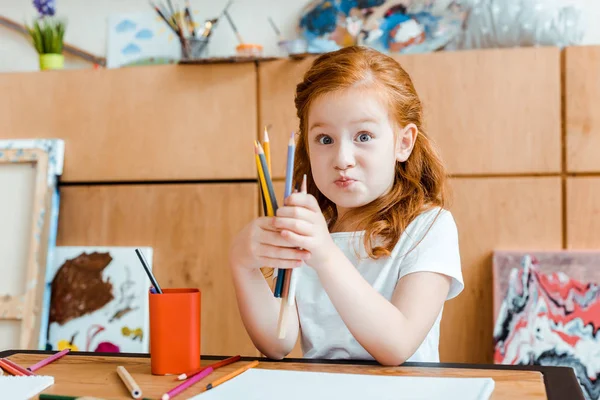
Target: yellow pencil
<point>263,182</point>
<point>231,375</point>
<point>267,149</point>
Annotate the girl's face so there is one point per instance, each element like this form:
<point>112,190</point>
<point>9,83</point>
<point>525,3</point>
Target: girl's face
<point>354,146</point>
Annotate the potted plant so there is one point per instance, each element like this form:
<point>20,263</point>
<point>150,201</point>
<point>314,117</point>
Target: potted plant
<point>47,33</point>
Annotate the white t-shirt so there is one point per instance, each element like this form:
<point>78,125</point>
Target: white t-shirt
<point>324,334</point>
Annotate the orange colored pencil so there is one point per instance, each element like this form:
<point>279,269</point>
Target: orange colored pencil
<point>229,376</point>
<point>214,366</point>
<point>9,368</point>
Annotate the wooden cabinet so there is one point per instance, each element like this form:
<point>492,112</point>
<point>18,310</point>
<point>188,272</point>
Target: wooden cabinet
<point>583,213</point>
<point>582,102</point>
<point>493,214</point>
<point>138,124</point>
<point>190,228</point>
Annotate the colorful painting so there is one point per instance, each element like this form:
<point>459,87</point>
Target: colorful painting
<point>139,39</point>
<point>549,313</point>
<point>99,300</point>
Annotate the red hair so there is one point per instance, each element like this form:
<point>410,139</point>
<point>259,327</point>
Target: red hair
<point>419,182</point>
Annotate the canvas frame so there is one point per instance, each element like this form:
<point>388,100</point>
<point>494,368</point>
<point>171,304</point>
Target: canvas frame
<point>26,306</point>
<point>32,307</point>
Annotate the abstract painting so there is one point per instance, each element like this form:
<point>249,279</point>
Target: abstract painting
<point>547,312</point>
<point>99,300</point>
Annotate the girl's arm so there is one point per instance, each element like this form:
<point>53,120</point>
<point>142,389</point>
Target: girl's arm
<point>260,314</point>
<point>258,307</point>
<point>390,331</point>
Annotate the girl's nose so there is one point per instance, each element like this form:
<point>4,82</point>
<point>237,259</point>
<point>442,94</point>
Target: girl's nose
<point>345,157</point>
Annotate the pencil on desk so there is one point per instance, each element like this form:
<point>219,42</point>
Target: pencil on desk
<point>13,367</point>
<point>130,383</point>
<point>229,376</point>
<point>214,366</point>
<point>180,388</point>
<point>44,396</point>
<point>48,360</point>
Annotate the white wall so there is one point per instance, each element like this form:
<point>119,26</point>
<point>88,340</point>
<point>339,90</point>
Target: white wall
<point>87,26</point>
<point>88,20</point>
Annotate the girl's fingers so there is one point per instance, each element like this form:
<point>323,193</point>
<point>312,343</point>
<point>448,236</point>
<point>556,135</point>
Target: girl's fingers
<point>282,253</point>
<point>273,238</point>
<point>295,212</point>
<point>281,264</point>
<point>298,226</point>
<point>297,240</point>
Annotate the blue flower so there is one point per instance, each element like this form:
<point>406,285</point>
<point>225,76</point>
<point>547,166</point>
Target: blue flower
<point>45,7</point>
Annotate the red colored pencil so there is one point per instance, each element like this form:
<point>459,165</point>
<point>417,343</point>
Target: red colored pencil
<point>214,366</point>
<point>10,369</point>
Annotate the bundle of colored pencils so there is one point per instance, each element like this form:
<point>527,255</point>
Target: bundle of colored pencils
<point>284,287</point>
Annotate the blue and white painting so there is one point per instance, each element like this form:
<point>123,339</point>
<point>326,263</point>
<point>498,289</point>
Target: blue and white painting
<point>140,38</point>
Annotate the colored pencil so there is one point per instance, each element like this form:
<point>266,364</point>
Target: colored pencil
<point>48,360</point>
<point>148,272</point>
<point>16,366</point>
<point>267,148</point>
<point>284,280</point>
<point>229,376</point>
<point>268,181</point>
<point>271,193</point>
<point>214,366</point>
<point>263,182</point>
<point>180,388</point>
<point>45,396</point>
<point>291,295</point>
<point>130,383</point>
<point>10,369</point>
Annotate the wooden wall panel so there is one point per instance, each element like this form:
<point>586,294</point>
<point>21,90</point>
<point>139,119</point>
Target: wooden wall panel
<point>582,102</point>
<point>190,228</point>
<point>493,213</point>
<point>167,122</point>
<point>490,111</point>
<point>583,213</point>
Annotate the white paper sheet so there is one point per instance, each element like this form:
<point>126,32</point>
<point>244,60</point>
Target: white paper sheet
<point>23,387</point>
<point>265,384</point>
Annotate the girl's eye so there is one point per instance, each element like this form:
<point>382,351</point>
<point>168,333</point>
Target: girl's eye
<point>324,139</point>
<point>364,137</point>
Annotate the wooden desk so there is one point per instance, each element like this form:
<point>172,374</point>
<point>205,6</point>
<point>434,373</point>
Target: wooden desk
<point>91,374</point>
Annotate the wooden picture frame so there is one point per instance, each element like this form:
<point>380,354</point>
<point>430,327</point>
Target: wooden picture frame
<point>29,169</point>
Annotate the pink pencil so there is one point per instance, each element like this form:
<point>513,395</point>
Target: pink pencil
<point>17,367</point>
<point>48,360</point>
<point>178,389</point>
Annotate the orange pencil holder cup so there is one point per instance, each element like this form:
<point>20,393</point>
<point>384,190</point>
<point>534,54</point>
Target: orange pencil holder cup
<point>174,331</point>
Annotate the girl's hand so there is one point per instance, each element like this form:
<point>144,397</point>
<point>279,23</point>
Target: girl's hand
<point>259,245</point>
<point>301,224</point>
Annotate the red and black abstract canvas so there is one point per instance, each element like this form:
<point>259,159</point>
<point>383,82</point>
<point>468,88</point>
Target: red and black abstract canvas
<point>547,312</point>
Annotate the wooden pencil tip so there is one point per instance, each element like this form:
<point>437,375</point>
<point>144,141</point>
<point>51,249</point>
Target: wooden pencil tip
<point>304,184</point>
<point>265,135</point>
<point>260,149</point>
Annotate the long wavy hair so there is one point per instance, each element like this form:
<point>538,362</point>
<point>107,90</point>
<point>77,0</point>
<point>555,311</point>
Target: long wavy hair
<point>420,181</point>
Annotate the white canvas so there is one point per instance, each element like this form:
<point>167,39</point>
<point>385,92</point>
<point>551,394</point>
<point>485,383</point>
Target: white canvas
<point>121,320</point>
<point>264,384</point>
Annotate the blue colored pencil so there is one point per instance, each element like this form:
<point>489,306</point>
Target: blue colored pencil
<point>289,172</point>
